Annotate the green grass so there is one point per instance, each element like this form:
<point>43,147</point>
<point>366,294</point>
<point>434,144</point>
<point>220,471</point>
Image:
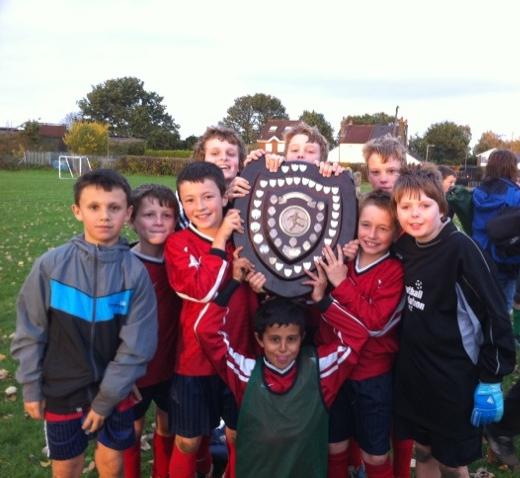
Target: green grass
<point>34,217</point>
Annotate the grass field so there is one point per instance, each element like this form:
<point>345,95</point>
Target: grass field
<point>34,217</point>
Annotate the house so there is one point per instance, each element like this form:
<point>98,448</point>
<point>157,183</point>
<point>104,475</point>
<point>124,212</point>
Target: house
<point>352,138</point>
<point>271,138</point>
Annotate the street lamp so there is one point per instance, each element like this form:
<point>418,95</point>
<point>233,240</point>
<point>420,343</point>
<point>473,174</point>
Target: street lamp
<point>428,146</point>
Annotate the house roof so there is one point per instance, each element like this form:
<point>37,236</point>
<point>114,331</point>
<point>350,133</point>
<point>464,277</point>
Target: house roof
<point>361,133</point>
<point>52,130</point>
<point>277,128</point>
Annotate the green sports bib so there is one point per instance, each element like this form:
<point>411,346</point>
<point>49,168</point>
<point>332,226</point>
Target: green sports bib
<point>283,435</point>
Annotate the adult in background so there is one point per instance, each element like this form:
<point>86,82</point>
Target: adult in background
<point>498,190</point>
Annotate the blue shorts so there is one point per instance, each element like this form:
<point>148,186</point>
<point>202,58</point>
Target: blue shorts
<point>65,438</point>
<point>363,410</point>
<point>197,403</point>
<point>159,393</point>
<point>449,451</point>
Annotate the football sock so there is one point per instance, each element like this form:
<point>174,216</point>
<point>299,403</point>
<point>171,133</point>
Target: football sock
<point>337,465</point>
<point>162,450</point>
<point>132,460</point>
<point>204,456</point>
<point>379,471</point>
<point>402,451</point>
<point>232,453</point>
<point>182,465</point>
<point>353,454</point>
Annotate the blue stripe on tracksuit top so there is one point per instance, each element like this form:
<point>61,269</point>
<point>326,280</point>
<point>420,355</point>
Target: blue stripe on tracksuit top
<point>78,304</point>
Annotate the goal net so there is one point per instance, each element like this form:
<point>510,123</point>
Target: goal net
<point>70,167</point>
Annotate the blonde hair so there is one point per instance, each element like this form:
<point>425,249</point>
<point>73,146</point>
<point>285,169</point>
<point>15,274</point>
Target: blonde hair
<point>387,147</point>
<point>314,136</point>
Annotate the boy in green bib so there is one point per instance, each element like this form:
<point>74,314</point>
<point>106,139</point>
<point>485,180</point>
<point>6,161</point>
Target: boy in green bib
<point>283,395</point>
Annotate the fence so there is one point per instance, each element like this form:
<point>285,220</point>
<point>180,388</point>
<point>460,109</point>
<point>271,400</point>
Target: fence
<point>47,158</point>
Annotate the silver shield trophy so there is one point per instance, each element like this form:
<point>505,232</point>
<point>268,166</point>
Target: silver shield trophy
<point>289,217</point>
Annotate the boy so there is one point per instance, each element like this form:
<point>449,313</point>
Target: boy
<point>197,264</point>
<point>456,341</point>
<point>224,147</point>
<point>285,394</point>
<point>370,288</point>
<point>384,157</point>
<point>302,143</point>
<point>153,218</point>
<point>86,327</point>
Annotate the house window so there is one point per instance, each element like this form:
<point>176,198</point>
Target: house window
<point>272,129</point>
<point>281,147</point>
<point>268,147</point>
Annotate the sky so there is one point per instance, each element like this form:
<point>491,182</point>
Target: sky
<point>448,60</point>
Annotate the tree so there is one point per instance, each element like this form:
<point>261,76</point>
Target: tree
<point>376,118</point>
<point>31,134</point>
<point>312,118</point>
<point>85,137</point>
<point>131,111</point>
<point>249,113</point>
<point>446,143</point>
<point>488,140</point>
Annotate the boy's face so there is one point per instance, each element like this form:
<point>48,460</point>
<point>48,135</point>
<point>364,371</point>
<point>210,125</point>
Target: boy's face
<point>203,205</point>
<point>299,149</point>
<point>376,231</point>
<point>103,214</point>
<point>448,182</point>
<point>223,154</point>
<point>281,344</point>
<point>383,175</point>
<point>419,216</point>
<point>153,223</point>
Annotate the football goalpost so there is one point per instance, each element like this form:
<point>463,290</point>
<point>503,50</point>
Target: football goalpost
<point>70,167</point>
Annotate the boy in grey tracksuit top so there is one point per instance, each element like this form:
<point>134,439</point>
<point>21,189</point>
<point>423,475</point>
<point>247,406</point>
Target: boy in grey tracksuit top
<point>86,324</point>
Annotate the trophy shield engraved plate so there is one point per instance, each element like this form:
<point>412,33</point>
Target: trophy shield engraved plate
<point>289,216</point>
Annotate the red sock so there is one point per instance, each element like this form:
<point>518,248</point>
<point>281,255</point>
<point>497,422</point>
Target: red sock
<point>337,465</point>
<point>379,471</point>
<point>403,450</point>
<point>132,460</point>
<point>232,458</point>
<point>204,456</point>
<point>162,451</point>
<point>353,454</point>
<point>182,465</point>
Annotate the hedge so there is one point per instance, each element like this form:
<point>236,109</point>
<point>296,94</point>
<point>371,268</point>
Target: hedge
<point>169,153</point>
<point>150,165</point>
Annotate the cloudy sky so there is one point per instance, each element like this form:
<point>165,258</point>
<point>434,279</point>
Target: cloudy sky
<point>445,60</point>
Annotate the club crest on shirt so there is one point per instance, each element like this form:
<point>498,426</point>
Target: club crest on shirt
<point>414,295</point>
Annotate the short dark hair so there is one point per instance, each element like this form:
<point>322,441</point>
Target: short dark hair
<point>502,163</point>
<point>107,179</point>
<point>163,194</point>
<point>279,311</point>
<point>446,171</point>
<point>199,171</point>
<point>422,177</point>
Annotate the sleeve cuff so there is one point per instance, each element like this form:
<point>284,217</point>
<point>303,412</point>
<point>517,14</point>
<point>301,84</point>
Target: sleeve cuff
<point>324,303</point>
<point>218,252</point>
<point>32,392</point>
<point>224,296</point>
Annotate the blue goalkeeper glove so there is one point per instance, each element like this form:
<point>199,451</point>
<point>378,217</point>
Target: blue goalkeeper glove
<point>489,404</point>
